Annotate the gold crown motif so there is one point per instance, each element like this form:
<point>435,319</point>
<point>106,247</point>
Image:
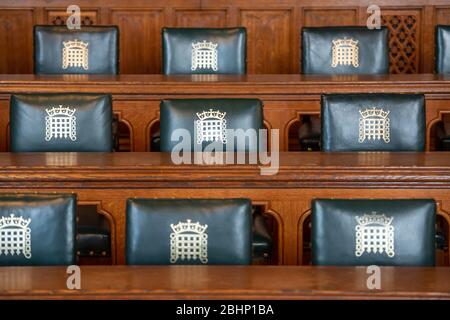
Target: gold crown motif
<point>60,111</point>
<point>216,114</point>
<point>374,112</point>
<point>204,45</point>
<point>188,226</point>
<point>374,218</point>
<point>75,44</point>
<point>345,42</point>
<point>12,221</point>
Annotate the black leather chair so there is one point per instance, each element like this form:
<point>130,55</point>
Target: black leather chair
<point>373,232</point>
<point>195,115</point>
<point>66,123</point>
<point>89,50</point>
<point>373,122</point>
<point>61,122</point>
<point>345,50</point>
<point>204,50</point>
<point>37,229</point>
<point>188,231</point>
<point>442,39</point>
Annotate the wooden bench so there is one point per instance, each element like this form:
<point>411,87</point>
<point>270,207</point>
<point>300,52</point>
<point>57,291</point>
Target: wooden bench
<point>108,180</point>
<point>287,98</point>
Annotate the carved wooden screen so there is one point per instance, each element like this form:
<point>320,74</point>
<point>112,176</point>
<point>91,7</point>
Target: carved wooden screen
<point>404,41</point>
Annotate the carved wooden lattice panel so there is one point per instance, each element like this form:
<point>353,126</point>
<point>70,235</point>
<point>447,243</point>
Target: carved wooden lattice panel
<point>404,40</point>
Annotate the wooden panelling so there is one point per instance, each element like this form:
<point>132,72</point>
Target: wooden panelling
<point>16,39</point>
<point>324,17</point>
<point>59,17</point>
<point>269,40</point>
<point>273,28</point>
<point>443,15</point>
<point>140,39</point>
<point>201,18</point>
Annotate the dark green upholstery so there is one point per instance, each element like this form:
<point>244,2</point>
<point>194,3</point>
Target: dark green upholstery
<point>191,50</point>
<point>404,229</point>
<point>442,39</point>
<point>158,230</point>
<point>372,50</point>
<point>37,229</point>
<point>101,42</point>
<point>349,122</point>
<point>32,116</point>
<point>237,114</point>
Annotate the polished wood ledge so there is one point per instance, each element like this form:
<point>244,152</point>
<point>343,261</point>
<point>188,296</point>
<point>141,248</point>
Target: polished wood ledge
<point>107,180</point>
<point>223,282</point>
<point>286,97</point>
<point>296,170</point>
<point>211,84</point>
